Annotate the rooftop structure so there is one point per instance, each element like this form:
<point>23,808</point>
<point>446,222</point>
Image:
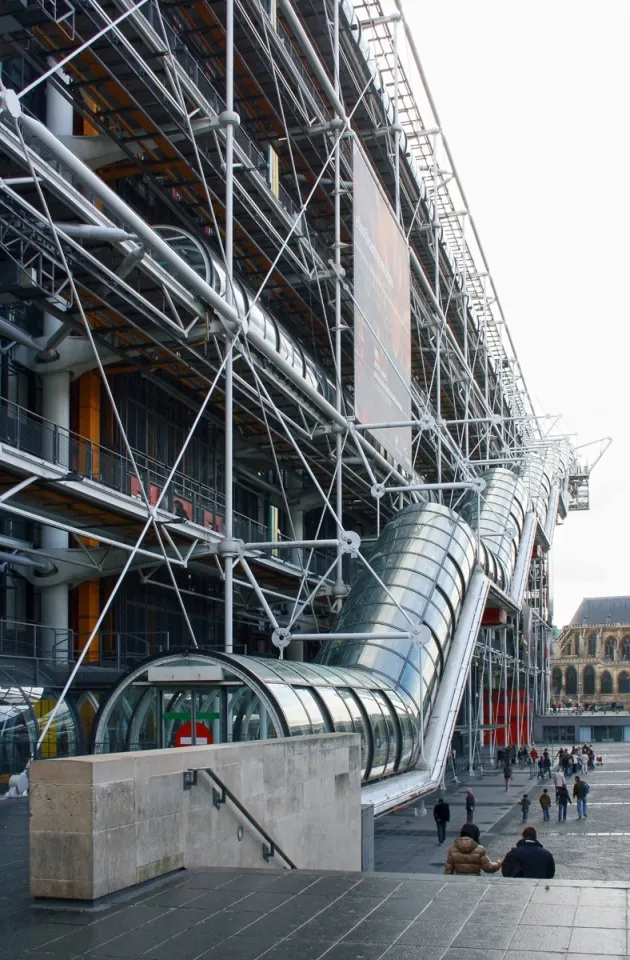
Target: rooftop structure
<point>599,611</point>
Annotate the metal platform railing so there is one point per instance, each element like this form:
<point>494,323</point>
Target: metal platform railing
<point>186,497</point>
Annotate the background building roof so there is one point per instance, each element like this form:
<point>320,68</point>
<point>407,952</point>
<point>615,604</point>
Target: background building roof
<point>594,610</point>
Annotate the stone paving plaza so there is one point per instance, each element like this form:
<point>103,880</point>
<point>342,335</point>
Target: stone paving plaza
<point>597,848</point>
<point>396,915</point>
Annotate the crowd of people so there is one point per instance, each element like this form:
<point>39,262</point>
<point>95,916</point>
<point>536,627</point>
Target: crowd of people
<point>528,858</point>
<point>576,760</point>
<point>569,706</point>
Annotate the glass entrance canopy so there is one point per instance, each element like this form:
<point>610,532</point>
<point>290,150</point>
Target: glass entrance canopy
<point>181,700</point>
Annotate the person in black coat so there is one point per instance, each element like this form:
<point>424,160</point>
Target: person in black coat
<point>441,815</point>
<point>529,859</point>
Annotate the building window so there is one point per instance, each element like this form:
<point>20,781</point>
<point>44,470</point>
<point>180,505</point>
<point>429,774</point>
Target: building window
<point>556,681</point>
<point>588,681</point>
<point>571,681</point>
<point>606,683</point>
<point>625,653</point>
<point>592,645</point>
<point>623,682</point>
<point>609,650</point>
<point>559,734</point>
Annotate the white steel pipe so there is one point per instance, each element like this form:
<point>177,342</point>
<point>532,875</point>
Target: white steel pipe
<point>229,291</point>
<point>313,57</point>
<point>464,485</point>
<point>261,597</point>
<point>352,636</point>
<point>132,219</point>
<point>290,544</point>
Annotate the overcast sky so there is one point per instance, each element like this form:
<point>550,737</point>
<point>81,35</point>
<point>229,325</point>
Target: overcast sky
<point>533,98</point>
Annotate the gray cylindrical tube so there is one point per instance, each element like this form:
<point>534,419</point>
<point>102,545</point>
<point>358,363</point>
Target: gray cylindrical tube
<point>21,560</point>
<point>425,558</point>
<point>499,522</point>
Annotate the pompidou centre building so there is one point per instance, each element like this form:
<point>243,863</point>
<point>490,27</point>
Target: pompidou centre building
<point>269,466</point>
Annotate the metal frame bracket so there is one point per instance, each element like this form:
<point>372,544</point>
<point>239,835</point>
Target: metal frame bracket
<point>190,779</point>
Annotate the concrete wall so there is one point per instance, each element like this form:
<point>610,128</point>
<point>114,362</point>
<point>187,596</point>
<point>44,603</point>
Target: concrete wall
<point>367,838</point>
<point>102,823</point>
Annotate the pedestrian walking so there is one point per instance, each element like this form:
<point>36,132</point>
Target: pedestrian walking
<point>529,859</point>
<point>563,799</point>
<point>545,803</point>
<point>584,761</point>
<point>470,805</point>
<point>467,857</point>
<point>441,815</point>
<point>507,775</point>
<point>559,781</point>
<point>541,768</point>
<point>534,754</point>
<point>525,803</point>
<point>580,792</point>
<point>547,763</point>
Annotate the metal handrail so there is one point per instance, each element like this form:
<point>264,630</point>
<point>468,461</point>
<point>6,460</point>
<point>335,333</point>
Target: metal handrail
<point>218,799</point>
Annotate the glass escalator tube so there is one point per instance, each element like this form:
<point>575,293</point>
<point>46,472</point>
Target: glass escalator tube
<point>424,559</point>
<point>498,515</point>
<point>208,265</point>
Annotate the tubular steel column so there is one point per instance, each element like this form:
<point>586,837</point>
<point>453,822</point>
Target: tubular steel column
<point>229,367</point>
<point>491,738</point>
<point>506,723</point>
<point>338,391</point>
<point>469,720</point>
<point>517,664</point>
<point>436,292</point>
<point>56,408</point>
<point>397,127</point>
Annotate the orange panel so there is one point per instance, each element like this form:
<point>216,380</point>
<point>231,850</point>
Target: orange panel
<point>89,606</point>
<point>90,429</point>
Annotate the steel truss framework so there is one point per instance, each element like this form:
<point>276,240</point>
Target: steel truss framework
<point>230,122</point>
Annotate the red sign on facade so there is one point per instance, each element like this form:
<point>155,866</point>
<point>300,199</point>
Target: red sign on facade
<point>183,737</point>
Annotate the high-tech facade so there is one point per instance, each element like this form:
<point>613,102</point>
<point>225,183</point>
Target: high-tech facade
<point>262,422</point>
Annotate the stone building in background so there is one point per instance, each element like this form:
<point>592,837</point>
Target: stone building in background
<point>591,657</point>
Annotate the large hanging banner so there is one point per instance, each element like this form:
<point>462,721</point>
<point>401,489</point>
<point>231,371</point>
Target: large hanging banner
<point>382,316</point>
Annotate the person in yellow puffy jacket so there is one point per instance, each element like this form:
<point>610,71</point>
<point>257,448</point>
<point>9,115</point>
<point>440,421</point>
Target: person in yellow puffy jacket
<point>467,857</point>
